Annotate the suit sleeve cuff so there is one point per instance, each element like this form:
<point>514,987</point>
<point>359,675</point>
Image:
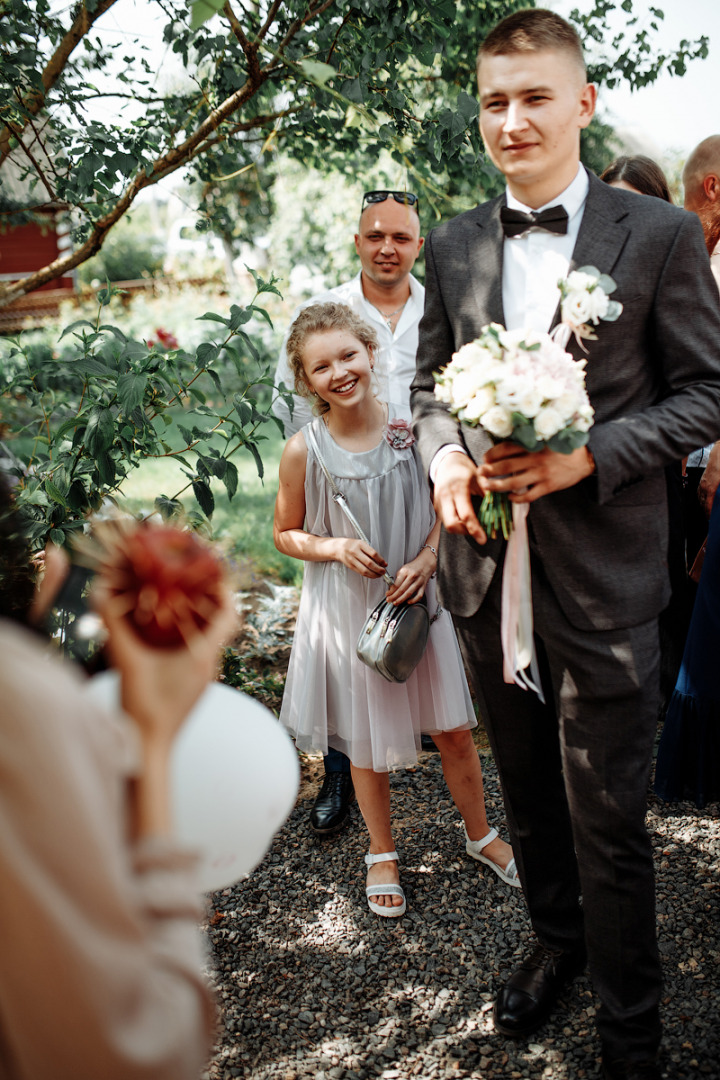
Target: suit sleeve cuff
<point>449,448</point>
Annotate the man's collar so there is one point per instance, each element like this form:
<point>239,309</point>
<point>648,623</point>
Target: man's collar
<point>417,291</point>
<point>572,198</point>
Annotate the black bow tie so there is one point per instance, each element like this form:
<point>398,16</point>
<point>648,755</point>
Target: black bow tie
<point>515,222</point>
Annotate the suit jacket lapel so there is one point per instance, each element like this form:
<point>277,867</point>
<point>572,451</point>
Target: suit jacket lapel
<point>602,234</point>
<point>485,261</point>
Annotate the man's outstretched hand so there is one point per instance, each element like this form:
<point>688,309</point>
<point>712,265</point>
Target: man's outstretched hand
<point>456,482</point>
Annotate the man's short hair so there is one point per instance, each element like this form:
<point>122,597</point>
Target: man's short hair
<point>532,30</point>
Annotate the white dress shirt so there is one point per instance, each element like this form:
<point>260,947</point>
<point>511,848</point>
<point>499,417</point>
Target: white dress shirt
<point>533,262</point>
<point>395,361</point>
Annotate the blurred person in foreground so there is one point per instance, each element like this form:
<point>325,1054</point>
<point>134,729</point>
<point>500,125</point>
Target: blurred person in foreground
<point>101,974</point>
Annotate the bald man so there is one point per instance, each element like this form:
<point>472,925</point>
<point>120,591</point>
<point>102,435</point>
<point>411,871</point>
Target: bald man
<point>701,180</point>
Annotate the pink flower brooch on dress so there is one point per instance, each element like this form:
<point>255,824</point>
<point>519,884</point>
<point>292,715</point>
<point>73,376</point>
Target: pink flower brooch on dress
<point>399,434</point>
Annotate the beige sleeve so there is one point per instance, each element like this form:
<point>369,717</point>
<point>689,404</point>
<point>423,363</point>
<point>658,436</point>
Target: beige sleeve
<point>101,961</point>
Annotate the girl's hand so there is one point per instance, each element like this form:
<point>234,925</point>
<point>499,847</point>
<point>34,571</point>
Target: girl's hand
<point>360,557</point>
<point>411,579</point>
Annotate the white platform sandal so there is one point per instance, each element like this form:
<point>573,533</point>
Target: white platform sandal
<point>474,849</point>
<point>390,911</point>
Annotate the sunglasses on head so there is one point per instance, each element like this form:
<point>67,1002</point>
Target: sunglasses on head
<point>406,198</point>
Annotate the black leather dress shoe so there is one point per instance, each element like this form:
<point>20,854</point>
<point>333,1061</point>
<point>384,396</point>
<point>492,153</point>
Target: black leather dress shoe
<point>632,1070</point>
<point>527,999</point>
<point>332,806</point>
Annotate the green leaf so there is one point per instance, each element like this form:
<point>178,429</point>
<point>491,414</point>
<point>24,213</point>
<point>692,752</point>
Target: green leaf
<point>99,431</point>
<point>77,496</point>
<point>261,284</point>
<point>73,325</point>
<point>88,365</point>
<point>66,427</point>
<point>317,72</point>
<point>204,496</point>
<point>55,493</point>
<point>239,316</point>
<point>187,435</point>
<point>258,460</point>
<point>230,479</point>
<point>134,350</point>
<point>567,441</point>
<point>215,378</point>
<point>525,436</point>
<point>106,468</point>
<point>131,390</point>
<point>168,508</point>
<point>210,316</point>
<point>261,311</point>
<point>57,536</point>
<point>206,353</point>
<point>243,409</point>
<point>202,10</point>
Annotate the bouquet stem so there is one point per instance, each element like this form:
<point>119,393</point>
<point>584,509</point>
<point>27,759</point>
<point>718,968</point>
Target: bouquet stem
<point>496,515</point>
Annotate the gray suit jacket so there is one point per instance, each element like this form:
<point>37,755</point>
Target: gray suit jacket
<point>653,378</point>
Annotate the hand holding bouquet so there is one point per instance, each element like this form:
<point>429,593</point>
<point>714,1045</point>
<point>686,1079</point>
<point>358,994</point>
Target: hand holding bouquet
<point>520,386</point>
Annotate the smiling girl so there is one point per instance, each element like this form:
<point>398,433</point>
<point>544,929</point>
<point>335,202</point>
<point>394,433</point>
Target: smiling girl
<point>331,698</point>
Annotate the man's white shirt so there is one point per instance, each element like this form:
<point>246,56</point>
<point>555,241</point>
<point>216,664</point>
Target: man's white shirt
<point>534,261</point>
<point>532,264</point>
<point>395,361</point>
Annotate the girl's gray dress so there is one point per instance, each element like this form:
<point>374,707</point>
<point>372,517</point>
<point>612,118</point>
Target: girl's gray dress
<point>332,698</point>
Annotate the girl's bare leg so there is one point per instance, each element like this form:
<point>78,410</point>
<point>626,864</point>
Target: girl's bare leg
<point>463,776</point>
<point>372,790</point>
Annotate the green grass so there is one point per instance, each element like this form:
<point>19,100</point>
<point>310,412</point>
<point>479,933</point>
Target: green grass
<point>244,523</point>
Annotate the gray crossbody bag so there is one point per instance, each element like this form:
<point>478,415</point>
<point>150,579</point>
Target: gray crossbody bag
<point>394,637</point>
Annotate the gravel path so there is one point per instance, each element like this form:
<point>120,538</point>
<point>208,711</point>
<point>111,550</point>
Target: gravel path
<point>311,984</point>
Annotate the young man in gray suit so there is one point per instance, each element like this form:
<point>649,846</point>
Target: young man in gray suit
<point>575,769</point>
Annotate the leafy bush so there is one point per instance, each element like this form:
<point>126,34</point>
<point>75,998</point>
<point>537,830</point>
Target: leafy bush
<point>83,418</point>
<point>124,258</point>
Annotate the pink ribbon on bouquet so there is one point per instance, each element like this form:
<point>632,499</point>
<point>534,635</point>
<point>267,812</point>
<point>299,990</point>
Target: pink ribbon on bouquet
<point>516,626</point>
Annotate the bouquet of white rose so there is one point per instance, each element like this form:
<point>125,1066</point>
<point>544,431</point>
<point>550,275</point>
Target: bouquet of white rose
<point>519,386</point>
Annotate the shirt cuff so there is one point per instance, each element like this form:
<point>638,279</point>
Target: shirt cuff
<point>449,448</point>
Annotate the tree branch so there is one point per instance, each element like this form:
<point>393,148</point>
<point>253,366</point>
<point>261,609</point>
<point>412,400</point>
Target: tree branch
<point>236,27</point>
<point>318,9</point>
<point>168,163</point>
<point>35,101</point>
<point>274,8</point>
<point>38,169</point>
<point>335,39</point>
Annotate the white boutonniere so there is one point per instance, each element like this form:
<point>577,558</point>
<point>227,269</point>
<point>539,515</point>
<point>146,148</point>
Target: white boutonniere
<point>584,302</point>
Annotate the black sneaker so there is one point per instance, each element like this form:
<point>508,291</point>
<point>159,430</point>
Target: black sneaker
<point>331,808</point>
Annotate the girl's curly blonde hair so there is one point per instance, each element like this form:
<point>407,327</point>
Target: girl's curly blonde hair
<point>317,319</point>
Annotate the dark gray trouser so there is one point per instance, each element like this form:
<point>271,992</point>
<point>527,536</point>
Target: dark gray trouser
<point>575,775</point>
<point>336,761</point>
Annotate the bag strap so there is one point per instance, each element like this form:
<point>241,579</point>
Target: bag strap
<point>338,496</point>
<point>340,499</point>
